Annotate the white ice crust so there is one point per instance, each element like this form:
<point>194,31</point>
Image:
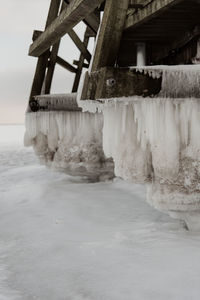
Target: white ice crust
<point>69,140</point>
<point>157,140</point>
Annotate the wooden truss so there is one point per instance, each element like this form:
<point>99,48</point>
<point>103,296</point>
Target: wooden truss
<point>163,25</point>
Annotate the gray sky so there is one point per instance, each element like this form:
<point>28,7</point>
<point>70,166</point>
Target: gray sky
<point>18,19</point>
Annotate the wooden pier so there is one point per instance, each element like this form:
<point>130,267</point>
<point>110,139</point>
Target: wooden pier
<point>168,29</point>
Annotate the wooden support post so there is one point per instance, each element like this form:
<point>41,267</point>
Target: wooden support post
<point>110,33</point>
<point>80,65</point>
<point>52,63</point>
<point>51,68</point>
<point>43,59</point>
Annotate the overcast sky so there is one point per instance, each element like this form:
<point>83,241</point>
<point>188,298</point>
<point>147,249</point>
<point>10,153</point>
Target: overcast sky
<point>18,19</point>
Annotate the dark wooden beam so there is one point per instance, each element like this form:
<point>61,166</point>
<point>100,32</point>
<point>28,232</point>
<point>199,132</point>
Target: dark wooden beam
<point>76,62</point>
<point>119,82</point>
<point>162,52</point>
<point>43,59</point>
<point>65,64</point>
<point>153,9</point>
<point>80,65</point>
<point>92,21</point>
<point>76,11</point>
<point>110,33</point>
<point>51,68</point>
<point>52,63</point>
<point>80,45</point>
<point>53,11</point>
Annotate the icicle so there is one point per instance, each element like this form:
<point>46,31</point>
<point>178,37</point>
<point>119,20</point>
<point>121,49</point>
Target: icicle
<point>70,140</point>
<point>157,140</point>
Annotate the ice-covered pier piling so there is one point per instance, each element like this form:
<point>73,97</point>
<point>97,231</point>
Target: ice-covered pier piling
<point>145,118</point>
<point>65,138</point>
<point>157,141</point>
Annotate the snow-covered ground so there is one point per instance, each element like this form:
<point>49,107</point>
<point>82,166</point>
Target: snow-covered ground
<point>63,238</point>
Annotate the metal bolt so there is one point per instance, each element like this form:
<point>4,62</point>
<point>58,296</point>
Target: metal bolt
<point>110,82</point>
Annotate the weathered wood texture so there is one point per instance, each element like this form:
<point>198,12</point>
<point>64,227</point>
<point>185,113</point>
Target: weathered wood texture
<point>110,33</point>
<point>52,62</point>
<point>76,11</point>
<point>153,9</point>
<point>166,30</point>
<point>80,45</point>
<point>181,50</point>
<point>51,68</point>
<point>65,65</point>
<point>80,65</point>
<point>43,60</point>
<point>119,82</point>
<point>92,20</point>
<point>76,62</point>
<point>188,54</point>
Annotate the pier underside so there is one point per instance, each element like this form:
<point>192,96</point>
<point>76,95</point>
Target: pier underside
<point>165,32</point>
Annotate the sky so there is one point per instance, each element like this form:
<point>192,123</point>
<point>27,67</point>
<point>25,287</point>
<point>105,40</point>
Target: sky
<point>18,19</point>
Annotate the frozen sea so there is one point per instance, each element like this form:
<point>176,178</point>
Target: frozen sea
<point>62,238</point>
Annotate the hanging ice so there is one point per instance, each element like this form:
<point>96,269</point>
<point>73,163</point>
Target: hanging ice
<point>68,139</point>
<point>157,140</point>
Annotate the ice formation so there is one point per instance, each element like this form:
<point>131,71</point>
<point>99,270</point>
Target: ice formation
<point>54,102</point>
<point>157,140</point>
<point>68,140</point>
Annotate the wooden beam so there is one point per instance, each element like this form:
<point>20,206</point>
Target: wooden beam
<point>119,82</point>
<point>91,20</point>
<point>76,11</point>
<point>76,62</point>
<point>80,45</point>
<point>80,65</point>
<point>65,64</point>
<point>150,11</point>
<point>51,68</point>
<point>52,63</point>
<point>53,11</point>
<point>43,59</point>
<point>167,50</point>
<point>110,33</point>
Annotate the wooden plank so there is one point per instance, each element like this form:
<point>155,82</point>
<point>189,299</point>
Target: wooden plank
<point>80,45</point>
<point>110,33</point>
<point>76,11</point>
<point>65,64</point>
<point>152,10</point>
<point>43,59</point>
<point>119,82</point>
